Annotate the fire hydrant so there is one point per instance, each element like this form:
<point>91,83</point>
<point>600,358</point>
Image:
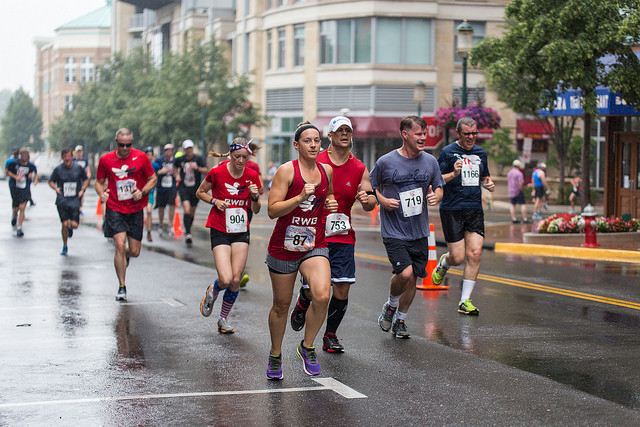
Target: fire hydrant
<point>588,224</point>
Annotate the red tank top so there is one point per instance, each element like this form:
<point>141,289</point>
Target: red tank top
<point>346,179</point>
<point>236,192</point>
<point>302,229</point>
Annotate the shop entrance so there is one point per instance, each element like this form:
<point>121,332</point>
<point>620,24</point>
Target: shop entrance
<point>628,174</point>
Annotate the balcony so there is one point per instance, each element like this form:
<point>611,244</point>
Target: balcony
<point>142,21</point>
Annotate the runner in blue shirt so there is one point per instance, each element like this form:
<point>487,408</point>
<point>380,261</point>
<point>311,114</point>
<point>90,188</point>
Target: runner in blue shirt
<point>464,168</point>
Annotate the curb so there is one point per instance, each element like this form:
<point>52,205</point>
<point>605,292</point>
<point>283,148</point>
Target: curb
<point>614,255</point>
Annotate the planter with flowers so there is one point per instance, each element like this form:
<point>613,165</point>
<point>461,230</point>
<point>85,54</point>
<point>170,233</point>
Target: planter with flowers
<point>564,229</point>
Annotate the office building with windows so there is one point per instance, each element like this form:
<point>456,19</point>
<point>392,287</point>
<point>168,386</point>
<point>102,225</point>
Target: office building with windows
<point>68,60</point>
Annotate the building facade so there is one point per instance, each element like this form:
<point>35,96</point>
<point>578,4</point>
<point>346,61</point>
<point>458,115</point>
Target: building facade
<point>68,60</point>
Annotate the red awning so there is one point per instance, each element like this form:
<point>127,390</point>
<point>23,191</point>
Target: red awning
<point>366,127</point>
<point>532,128</point>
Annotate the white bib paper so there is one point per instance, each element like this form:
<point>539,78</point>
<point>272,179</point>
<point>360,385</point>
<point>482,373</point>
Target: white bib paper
<point>337,225</point>
<point>299,239</point>
<point>125,188</point>
<point>235,220</point>
<point>411,201</point>
<point>470,173</point>
<point>166,181</point>
<point>69,189</point>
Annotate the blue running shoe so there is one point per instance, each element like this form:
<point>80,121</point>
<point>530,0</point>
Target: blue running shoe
<point>64,250</point>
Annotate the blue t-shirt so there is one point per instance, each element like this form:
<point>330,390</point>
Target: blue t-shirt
<point>407,180</point>
<point>537,181</point>
<point>6,166</point>
<point>463,191</point>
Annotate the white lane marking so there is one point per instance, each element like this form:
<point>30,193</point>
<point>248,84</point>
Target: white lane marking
<point>331,384</point>
<point>172,302</point>
<point>340,388</point>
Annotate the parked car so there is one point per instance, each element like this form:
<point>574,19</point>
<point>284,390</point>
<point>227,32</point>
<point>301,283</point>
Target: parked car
<point>46,163</point>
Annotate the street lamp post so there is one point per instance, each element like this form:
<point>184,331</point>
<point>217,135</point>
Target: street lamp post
<point>203,100</point>
<point>464,44</point>
<point>418,95</point>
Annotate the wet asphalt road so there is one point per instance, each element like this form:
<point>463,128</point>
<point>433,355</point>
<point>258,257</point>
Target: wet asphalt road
<point>556,341</point>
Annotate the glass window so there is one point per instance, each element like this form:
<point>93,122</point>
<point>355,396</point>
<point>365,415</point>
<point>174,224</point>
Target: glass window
<point>269,46</point>
<point>344,41</point>
<point>281,41</point>
<point>327,41</point>
<point>388,41</point>
<point>397,41</point>
<point>68,103</point>
<point>298,45</point>
<point>417,51</point>
<point>69,70</point>
<point>362,40</point>
<point>87,69</point>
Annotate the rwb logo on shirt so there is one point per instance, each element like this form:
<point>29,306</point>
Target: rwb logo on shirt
<point>123,172</point>
<point>235,189</point>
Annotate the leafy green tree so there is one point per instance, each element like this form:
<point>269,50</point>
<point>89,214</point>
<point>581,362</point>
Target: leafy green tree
<point>158,104</point>
<point>552,45</point>
<point>21,124</point>
<point>500,149</point>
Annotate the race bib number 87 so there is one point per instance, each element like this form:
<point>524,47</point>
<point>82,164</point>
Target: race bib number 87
<point>299,239</point>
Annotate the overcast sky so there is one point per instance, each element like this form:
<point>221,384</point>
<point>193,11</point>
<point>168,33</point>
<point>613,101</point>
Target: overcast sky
<point>23,20</point>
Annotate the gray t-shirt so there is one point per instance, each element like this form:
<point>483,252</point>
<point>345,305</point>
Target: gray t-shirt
<point>407,180</point>
<point>70,181</point>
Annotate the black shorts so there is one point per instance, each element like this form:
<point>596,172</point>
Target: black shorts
<point>188,194</point>
<point>538,192</point>
<point>67,213</point>
<point>518,200</point>
<point>456,223</point>
<point>116,222</point>
<point>403,253</point>
<point>20,196</point>
<point>166,196</point>
<point>220,238</point>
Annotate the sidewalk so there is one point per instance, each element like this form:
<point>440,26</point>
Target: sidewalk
<point>503,236</point>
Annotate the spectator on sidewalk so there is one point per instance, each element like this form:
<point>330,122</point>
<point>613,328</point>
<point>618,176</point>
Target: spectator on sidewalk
<point>540,190</point>
<point>576,190</point>
<point>515,188</point>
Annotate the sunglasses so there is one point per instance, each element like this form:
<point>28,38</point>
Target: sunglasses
<point>469,133</point>
<point>120,144</point>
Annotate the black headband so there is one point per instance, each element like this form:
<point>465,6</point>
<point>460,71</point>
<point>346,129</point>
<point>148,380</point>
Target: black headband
<point>302,128</point>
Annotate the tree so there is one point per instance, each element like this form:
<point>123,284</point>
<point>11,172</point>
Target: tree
<point>158,104</point>
<point>499,149</point>
<point>21,124</point>
<point>558,45</point>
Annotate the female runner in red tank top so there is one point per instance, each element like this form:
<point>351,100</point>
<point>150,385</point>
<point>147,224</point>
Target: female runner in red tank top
<point>351,183</point>
<point>300,191</point>
<point>234,190</point>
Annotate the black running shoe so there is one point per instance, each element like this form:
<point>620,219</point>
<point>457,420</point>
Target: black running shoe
<point>19,233</point>
<point>14,221</point>
<point>331,343</point>
<point>122,293</point>
<point>70,232</point>
<point>298,316</point>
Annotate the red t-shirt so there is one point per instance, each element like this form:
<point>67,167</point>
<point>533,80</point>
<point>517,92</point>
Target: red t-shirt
<point>236,193</point>
<point>123,176</point>
<point>346,179</point>
<point>293,232</point>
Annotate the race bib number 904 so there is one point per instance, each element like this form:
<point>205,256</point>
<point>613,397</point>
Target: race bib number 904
<point>299,239</point>
<point>235,220</point>
<point>337,225</point>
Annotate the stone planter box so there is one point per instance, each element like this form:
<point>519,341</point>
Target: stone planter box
<point>628,241</point>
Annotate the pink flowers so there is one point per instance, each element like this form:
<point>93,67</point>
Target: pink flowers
<point>568,223</point>
<point>486,117</point>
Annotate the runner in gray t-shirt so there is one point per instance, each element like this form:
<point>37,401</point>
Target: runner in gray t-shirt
<point>406,182</point>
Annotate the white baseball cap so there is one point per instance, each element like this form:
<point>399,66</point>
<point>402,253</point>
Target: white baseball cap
<point>78,148</point>
<point>187,144</point>
<point>338,121</point>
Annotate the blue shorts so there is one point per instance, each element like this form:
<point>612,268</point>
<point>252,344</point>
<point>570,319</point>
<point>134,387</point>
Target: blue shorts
<point>343,263</point>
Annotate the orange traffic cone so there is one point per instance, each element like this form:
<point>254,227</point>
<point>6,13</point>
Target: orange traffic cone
<point>99,208</point>
<point>177,228</point>
<point>427,283</point>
